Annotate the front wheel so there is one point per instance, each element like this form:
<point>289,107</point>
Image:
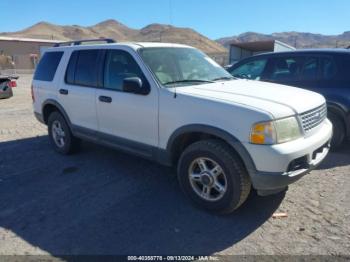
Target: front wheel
<point>213,176</point>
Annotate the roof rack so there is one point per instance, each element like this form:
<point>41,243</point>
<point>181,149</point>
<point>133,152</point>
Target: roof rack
<point>79,42</point>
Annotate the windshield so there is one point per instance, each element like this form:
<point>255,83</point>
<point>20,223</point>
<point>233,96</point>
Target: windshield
<point>182,66</point>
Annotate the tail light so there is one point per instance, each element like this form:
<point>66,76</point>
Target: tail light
<point>13,83</point>
<point>32,93</point>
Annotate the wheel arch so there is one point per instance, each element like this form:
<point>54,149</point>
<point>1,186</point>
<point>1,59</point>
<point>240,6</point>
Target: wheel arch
<point>341,111</point>
<point>186,135</point>
<point>51,105</point>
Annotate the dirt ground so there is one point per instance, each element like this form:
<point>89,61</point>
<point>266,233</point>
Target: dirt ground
<point>101,201</point>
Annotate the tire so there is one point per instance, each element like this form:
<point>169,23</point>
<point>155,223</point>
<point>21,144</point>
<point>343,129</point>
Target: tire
<point>338,130</point>
<point>69,143</point>
<point>233,178</point>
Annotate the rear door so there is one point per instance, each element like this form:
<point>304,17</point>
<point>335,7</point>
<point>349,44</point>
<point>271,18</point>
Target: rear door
<point>77,91</point>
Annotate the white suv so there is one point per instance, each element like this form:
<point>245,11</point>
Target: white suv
<point>173,104</point>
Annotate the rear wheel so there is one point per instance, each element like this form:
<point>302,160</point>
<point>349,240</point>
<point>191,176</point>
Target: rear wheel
<point>60,134</point>
<point>338,130</point>
<point>213,176</point>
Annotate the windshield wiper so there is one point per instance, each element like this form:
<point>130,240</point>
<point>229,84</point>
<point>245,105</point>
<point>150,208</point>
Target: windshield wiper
<point>224,78</point>
<point>188,81</point>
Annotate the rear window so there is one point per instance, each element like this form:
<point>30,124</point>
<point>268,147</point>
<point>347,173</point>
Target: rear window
<point>82,68</point>
<point>47,66</point>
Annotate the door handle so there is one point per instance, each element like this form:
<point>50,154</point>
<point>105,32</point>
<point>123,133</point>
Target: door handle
<point>105,99</point>
<point>63,91</point>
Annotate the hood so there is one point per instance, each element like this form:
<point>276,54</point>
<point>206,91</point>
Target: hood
<point>278,100</point>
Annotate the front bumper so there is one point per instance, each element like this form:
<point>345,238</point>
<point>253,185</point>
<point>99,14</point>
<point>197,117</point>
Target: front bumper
<point>279,165</point>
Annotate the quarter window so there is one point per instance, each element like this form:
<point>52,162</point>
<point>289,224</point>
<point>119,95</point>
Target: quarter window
<point>47,66</point>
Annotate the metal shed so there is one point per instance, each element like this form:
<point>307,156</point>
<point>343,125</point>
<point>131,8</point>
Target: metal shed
<point>242,50</point>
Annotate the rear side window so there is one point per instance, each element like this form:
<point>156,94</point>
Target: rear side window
<point>310,69</point>
<point>83,68</point>
<point>329,70</point>
<point>285,68</point>
<point>47,66</point>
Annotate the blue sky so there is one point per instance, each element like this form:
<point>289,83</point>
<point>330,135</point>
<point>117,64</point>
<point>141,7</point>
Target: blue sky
<point>212,18</point>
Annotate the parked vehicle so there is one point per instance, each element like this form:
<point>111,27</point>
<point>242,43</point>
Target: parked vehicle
<point>324,71</point>
<point>173,104</point>
<point>6,85</point>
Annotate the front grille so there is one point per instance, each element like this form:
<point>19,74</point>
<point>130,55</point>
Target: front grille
<point>313,118</point>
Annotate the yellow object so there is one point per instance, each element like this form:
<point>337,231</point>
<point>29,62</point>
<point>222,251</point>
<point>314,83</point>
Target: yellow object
<point>263,133</point>
<point>275,132</point>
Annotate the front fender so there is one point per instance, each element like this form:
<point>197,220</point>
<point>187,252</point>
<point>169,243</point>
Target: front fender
<point>214,131</point>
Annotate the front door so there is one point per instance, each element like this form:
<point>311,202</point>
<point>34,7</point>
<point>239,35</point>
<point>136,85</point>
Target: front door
<point>126,120</point>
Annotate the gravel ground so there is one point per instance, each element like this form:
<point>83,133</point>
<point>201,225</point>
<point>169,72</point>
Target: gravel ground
<point>100,201</point>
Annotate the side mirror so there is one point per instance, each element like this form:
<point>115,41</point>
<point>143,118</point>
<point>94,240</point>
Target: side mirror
<point>134,85</point>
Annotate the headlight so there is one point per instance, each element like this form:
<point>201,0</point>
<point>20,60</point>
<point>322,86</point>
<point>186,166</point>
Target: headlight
<point>287,129</point>
<point>275,132</point>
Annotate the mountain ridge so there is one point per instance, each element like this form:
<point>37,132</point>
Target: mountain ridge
<point>293,38</point>
<point>114,29</point>
<point>156,32</point>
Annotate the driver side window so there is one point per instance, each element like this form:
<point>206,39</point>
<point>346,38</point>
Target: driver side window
<point>118,66</point>
<point>251,70</point>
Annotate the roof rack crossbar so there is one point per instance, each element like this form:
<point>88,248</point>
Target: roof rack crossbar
<point>79,42</point>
